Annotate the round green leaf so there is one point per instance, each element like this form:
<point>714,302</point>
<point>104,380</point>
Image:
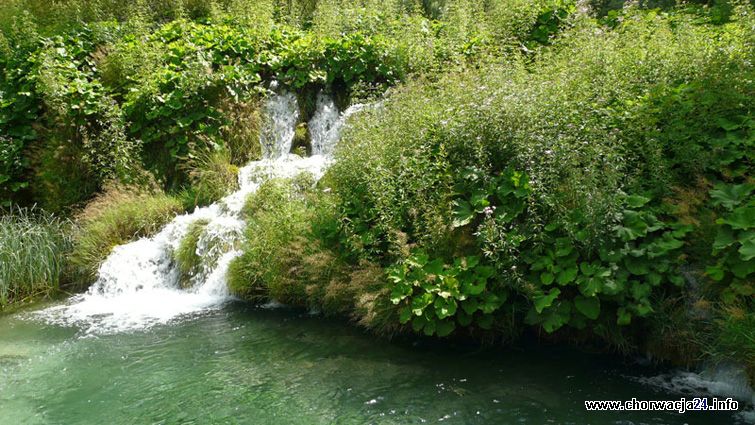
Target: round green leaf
<point>589,306</point>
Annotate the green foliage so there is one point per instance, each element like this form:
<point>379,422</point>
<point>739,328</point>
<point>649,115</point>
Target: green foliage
<point>292,253</point>
<point>549,22</point>
<point>186,256</point>
<point>33,251</point>
<point>734,246</point>
<point>19,108</point>
<point>733,336</point>
<point>571,284</point>
<point>212,176</point>
<point>104,90</point>
<point>509,192</point>
<point>59,88</point>
<point>527,166</point>
<point>556,172</point>
<point>176,102</point>
<point>241,132</point>
<point>277,216</point>
<point>436,297</point>
<point>563,281</point>
<point>115,218</point>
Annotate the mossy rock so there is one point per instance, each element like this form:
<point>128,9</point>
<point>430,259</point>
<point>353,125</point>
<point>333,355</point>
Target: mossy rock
<point>302,143</point>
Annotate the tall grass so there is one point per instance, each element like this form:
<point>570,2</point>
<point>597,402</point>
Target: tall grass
<point>114,218</point>
<point>212,176</point>
<point>33,249</point>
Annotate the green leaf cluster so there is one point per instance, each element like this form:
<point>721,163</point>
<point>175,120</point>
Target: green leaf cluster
<point>436,297</point>
<point>573,285</point>
<point>503,196</point>
<point>734,246</point>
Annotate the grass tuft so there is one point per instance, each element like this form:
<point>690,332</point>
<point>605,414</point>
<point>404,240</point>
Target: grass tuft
<point>186,255</point>
<point>33,249</point>
<point>114,218</point>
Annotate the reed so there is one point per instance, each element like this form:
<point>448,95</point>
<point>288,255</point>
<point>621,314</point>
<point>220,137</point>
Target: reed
<point>33,248</point>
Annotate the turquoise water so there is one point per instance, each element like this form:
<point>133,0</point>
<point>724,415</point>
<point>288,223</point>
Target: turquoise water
<point>250,365</point>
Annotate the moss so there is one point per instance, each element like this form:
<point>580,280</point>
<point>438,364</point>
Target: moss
<point>301,145</point>
<point>306,98</point>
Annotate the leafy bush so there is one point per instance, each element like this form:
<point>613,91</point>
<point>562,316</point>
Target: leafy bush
<point>33,251</point>
<point>564,282</point>
<point>19,106</point>
<point>439,295</point>
<point>734,246</point>
<point>114,218</point>
<point>555,174</point>
<point>61,123</point>
<point>94,91</point>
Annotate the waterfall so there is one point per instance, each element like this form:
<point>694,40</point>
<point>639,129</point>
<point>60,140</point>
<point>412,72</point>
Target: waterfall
<point>326,124</point>
<point>280,116</point>
<point>138,284</point>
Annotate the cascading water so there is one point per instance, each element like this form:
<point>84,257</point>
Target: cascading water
<point>281,114</point>
<point>138,284</point>
<point>326,124</point>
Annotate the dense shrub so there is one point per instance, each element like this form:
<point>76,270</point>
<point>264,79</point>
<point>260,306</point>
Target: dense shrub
<point>82,142</point>
<point>291,255</point>
<point>33,251</point>
<point>93,91</point>
<point>555,174</point>
<point>19,106</point>
<point>558,193</point>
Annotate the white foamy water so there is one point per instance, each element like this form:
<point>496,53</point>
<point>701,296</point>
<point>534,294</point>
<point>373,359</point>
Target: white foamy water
<point>280,116</point>
<point>721,380</point>
<point>138,284</point>
<point>326,124</point>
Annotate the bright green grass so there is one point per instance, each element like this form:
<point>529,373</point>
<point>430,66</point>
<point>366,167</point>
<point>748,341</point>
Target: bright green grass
<point>33,248</point>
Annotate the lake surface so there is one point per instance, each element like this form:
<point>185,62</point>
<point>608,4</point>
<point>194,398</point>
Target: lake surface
<point>244,365</point>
